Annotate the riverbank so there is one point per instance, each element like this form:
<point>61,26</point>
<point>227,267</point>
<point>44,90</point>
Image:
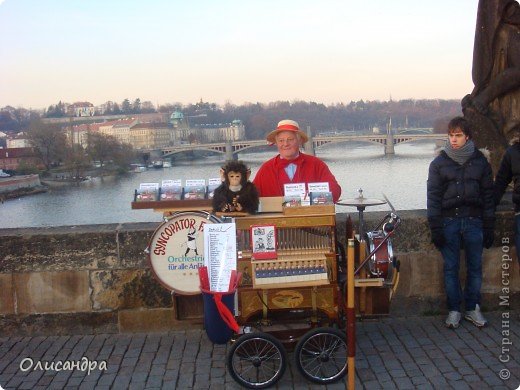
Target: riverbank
<point>63,181</point>
<point>17,186</point>
<point>21,192</point>
<point>60,177</point>
<point>23,185</point>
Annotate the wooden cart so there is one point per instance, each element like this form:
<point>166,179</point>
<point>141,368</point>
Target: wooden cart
<point>296,300</point>
<point>298,305</point>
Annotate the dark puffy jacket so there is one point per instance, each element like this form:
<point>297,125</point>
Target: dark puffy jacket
<point>456,190</point>
<point>509,170</point>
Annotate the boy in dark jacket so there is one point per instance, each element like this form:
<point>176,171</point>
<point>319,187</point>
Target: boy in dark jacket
<point>461,210</point>
<point>510,170</point>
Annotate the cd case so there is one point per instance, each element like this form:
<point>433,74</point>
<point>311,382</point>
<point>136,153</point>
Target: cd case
<point>145,195</point>
<point>171,193</point>
<point>195,192</point>
<point>321,198</point>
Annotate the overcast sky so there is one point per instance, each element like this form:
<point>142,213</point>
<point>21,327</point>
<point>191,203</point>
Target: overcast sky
<point>234,51</point>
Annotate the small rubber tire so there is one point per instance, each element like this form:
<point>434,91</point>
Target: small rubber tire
<point>256,360</point>
<point>321,355</point>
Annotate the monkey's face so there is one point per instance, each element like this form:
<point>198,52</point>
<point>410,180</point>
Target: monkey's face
<point>234,178</point>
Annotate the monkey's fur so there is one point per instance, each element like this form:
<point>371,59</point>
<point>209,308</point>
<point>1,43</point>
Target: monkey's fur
<point>244,198</point>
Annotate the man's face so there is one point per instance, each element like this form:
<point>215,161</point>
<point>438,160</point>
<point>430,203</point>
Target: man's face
<point>457,138</point>
<point>288,144</point>
<point>234,178</point>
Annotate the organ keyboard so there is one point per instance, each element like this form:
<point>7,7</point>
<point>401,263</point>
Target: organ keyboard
<point>305,247</point>
<point>291,270</point>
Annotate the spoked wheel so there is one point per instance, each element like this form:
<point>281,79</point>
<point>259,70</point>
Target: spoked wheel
<point>257,360</point>
<point>321,355</point>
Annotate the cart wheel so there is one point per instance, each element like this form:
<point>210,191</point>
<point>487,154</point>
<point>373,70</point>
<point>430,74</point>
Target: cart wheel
<point>321,355</point>
<point>256,360</point>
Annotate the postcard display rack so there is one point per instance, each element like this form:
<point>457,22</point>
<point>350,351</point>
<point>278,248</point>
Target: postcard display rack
<point>288,263</point>
<point>172,197</point>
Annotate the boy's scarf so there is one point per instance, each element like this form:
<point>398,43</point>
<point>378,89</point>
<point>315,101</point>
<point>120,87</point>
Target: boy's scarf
<point>460,155</point>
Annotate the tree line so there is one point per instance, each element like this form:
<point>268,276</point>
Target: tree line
<point>126,107</point>
<point>258,118</point>
<point>57,151</point>
<point>357,116</point>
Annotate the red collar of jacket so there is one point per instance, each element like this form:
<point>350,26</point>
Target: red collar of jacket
<point>283,163</point>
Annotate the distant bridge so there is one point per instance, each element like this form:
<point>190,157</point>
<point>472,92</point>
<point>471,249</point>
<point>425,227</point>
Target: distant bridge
<point>388,140</point>
<point>231,148</point>
<point>415,130</point>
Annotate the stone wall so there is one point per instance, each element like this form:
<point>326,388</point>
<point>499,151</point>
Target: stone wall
<point>96,278</point>
<point>17,182</point>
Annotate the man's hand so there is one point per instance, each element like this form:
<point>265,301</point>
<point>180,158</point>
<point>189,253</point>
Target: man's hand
<point>488,229</point>
<point>437,232</point>
<point>438,238</point>
<point>489,237</point>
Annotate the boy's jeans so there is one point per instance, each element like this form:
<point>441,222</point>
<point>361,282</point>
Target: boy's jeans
<point>468,231</point>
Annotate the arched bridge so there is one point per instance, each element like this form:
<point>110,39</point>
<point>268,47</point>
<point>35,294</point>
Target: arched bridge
<point>416,130</point>
<point>388,140</point>
<point>218,147</point>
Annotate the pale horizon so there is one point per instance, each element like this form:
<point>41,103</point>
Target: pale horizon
<point>230,51</point>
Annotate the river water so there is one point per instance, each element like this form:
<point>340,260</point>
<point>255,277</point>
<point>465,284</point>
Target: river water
<point>402,177</point>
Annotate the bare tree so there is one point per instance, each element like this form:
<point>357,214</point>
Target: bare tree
<point>50,141</point>
<point>101,147</point>
<point>126,107</point>
<point>136,106</point>
<point>123,156</point>
<point>105,148</point>
<point>147,106</point>
<point>76,161</point>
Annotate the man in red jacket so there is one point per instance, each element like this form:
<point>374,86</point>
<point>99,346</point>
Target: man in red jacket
<point>290,165</point>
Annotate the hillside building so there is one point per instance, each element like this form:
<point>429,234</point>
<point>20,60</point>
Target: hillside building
<point>12,158</point>
<point>81,109</point>
<point>20,140</point>
<point>151,135</point>
<point>119,129</point>
<point>205,133</point>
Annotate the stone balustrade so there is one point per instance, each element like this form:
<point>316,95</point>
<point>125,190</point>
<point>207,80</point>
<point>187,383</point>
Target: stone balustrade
<point>96,278</point>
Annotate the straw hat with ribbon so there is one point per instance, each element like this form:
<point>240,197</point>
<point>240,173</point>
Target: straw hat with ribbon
<point>287,125</point>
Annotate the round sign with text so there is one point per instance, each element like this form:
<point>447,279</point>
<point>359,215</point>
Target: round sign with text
<point>176,251</point>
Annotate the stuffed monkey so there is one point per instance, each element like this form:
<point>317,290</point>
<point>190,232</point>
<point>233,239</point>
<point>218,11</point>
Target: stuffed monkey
<point>236,193</point>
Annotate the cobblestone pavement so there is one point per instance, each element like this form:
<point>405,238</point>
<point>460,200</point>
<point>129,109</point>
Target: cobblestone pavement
<point>402,353</point>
